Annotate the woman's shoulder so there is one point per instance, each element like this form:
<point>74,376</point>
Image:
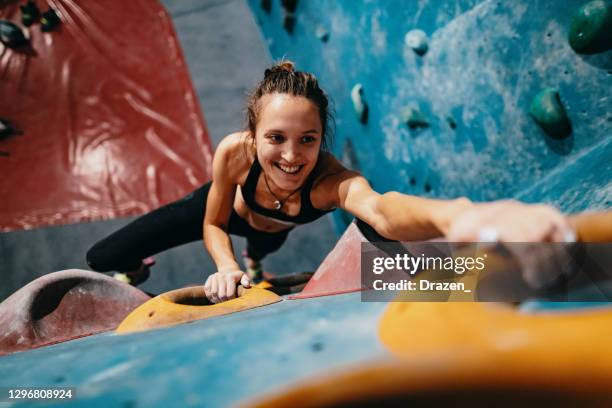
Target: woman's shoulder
<point>235,155</point>
<point>330,168</point>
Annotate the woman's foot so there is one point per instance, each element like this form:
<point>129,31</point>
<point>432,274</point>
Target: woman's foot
<point>253,269</point>
<point>137,276</point>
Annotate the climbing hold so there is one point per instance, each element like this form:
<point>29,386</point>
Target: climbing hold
<point>49,20</point>
<point>414,119</point>
<point>360,106</point>
<point>322,34</point>
<point>64,305</point>
<point>289,5</point>
<point>289,22</point>
<point>6,129</point>
<point>417,40</point>
<point>451,122</point>
<point>548,111</point>
<point>189,304</point>
<point>29,13</point>
<point>266,5</point>
<point>591,28</point>
<point>11,35</point>
<point>349,158</point>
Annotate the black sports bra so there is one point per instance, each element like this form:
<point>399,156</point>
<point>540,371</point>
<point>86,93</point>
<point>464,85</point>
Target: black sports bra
<point>307,212</point>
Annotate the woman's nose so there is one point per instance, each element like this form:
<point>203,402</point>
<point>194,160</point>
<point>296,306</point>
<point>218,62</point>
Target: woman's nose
<point>290,154</point>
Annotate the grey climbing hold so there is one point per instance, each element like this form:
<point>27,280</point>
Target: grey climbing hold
<point>359,104</point>
<point>414,119</point>
<point>322,34</point>
<point>591,28</point>
<point>548,111</point>
<point>11,35</point>
<point>417,40</point>
<point>349,157</point>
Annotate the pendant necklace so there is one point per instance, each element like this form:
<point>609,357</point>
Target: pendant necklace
<point>278,203</point>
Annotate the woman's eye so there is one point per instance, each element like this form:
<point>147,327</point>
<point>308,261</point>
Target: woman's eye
<point>308,139</point>
<point>276,138</point>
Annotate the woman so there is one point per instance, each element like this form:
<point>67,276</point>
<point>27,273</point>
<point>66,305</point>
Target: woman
<point>277,174</point>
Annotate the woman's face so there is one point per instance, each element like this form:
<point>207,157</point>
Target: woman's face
<point>288,139</point>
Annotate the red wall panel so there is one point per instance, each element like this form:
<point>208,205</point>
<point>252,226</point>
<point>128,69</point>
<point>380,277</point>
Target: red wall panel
<point>110,124</point>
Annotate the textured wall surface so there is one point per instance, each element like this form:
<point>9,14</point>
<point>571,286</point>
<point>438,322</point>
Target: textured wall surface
<point>486,61</point>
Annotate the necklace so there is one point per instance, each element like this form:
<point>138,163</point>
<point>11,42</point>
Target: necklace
<point>278,203</point>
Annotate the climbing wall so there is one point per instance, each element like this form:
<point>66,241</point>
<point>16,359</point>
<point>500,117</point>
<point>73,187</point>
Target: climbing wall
<point>448,98</point>
<point>104,116</point>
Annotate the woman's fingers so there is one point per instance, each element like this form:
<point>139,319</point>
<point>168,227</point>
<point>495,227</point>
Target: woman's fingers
<point>245,281</point>
<point>221,282</point>
<point>221,286</point>
<point>208,288</point>
<point>510,221</point>
<point>230,288</point>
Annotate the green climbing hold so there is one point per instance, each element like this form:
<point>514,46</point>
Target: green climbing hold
<point>11,35</point>
<point>49,20</point>
<point>591,28</point>
<point>414,119</point>
<point>29,13</point>
<point>548,111</point>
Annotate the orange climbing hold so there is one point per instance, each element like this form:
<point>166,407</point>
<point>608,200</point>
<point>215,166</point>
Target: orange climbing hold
<point>189,304</point>
<point>489,331</point>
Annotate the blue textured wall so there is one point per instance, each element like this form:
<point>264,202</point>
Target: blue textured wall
<point>486,61</point>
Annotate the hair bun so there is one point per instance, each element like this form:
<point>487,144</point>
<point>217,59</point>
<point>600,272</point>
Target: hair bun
<point>282,66</point>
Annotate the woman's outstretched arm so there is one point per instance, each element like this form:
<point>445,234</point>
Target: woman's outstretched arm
<point>407,218</point>
<point>221,285</point>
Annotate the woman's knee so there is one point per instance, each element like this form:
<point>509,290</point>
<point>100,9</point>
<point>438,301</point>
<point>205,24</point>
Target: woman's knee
<point>96,259</point>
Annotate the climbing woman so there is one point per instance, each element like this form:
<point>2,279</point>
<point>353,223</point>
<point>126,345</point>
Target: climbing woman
<point>278,174</point>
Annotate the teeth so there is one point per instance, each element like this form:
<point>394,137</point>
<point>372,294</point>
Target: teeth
<point>289,169</point>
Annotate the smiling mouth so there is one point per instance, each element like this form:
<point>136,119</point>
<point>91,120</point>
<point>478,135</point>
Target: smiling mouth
<point>289,169</point>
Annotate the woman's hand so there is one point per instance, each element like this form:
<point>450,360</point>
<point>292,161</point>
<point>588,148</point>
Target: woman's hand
<point>221,286</point>
<point>510,221</point>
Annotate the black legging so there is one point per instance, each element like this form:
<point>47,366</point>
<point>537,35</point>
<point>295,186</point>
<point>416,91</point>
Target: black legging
<point>172,225</point>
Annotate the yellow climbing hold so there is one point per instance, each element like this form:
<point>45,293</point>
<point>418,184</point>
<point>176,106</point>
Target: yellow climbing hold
<point>189,304</point>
